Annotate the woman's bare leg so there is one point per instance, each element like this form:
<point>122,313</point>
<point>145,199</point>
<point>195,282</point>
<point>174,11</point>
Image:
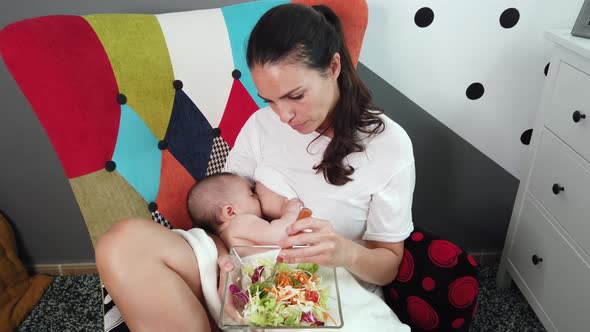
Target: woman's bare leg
<point>153,276</point>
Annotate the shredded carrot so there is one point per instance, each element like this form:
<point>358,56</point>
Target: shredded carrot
<point>326,315</point>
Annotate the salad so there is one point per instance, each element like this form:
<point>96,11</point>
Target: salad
<point>293,297</point>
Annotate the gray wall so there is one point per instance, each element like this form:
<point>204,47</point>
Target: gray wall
<point>460,193</point>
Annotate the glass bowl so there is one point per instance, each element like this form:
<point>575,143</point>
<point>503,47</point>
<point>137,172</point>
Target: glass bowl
<point>252,300</point>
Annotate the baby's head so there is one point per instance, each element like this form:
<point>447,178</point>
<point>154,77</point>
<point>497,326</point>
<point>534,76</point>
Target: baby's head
<point>219,198</point>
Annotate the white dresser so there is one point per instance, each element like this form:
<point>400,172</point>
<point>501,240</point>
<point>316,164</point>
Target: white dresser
<point>547,249</point>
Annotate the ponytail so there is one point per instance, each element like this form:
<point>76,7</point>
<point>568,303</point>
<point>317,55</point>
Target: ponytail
<point>312,35</point>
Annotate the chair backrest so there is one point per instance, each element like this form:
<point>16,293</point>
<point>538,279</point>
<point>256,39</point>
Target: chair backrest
<point>139,107</point>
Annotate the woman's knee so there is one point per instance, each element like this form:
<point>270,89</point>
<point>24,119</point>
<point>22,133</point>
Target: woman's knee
<point>116,242</point>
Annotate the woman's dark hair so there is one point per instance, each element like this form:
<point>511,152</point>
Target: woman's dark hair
<point>312,35</point>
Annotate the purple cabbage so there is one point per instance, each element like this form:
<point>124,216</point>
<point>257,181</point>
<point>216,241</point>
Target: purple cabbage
<point>238,294</point>
<point>256,275</point>
<point>308,317</point>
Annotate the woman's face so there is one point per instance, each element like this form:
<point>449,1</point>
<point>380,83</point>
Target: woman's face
<point>302,97</point>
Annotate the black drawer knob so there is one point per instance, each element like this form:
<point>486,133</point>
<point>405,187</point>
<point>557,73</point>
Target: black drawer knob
<point>536,259</point>
<point>577,116</point>
<point>557,189</point>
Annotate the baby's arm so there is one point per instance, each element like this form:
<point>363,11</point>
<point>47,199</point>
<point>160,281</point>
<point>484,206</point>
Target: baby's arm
<point>289,212</point>
<point>251,229</point>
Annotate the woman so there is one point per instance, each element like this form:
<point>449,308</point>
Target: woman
<point>321,140</point>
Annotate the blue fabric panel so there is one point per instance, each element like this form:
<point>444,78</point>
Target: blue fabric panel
<point>189,136</point>
<point>240,20</point>
<point>137,156</point>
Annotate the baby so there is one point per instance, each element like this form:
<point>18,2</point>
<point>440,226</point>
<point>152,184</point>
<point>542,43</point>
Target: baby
<point>226,204</point>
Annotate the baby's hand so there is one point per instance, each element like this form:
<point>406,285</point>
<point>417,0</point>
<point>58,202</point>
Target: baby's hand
<point>292,205</point>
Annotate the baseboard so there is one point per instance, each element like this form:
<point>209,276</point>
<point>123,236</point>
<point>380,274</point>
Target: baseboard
<point>63,269</point>
<point>486,257</point>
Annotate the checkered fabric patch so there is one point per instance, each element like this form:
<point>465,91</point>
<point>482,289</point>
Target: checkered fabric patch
<point>160,219</point>
<point>219,153</point>
<point>113,321</point>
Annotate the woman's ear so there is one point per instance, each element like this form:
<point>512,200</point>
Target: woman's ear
<point>335,66</point>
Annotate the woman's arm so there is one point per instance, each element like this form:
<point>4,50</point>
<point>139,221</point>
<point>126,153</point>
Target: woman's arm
<point>270,202</point>
<point>221,247</point>
<point>377,263</point>
<point>222,252</point>
<point>389,222</point>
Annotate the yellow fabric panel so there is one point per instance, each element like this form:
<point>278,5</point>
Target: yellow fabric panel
<point>140,60</point>
<point>105,198</point>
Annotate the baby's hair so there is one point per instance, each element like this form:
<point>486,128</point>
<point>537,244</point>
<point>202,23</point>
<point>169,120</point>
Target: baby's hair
<point>206,198</point>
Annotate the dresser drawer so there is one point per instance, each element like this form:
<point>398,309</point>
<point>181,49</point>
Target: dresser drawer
<point>556,165</point>
<point>560,281</point>
<point>571,93</point>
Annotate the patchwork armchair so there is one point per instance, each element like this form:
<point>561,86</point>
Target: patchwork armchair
<point>139,107</point>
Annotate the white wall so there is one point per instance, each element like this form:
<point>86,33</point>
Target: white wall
<point>464,44</point>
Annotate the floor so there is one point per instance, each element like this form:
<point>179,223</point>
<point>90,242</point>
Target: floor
<point>73,303</point>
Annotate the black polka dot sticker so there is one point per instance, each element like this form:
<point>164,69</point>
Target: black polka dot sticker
<point>509,18</point>
<point>110,166</point>
<point>547,68</point>
<point>177,84</point>
<point>121,99</point>
<point>153,207</point>
<point>162,145</point>
<point>525,138</point>
<point>475,91</point>
<point>424,17</point>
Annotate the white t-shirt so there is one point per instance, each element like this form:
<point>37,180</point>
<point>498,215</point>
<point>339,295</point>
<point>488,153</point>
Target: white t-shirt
<point>376,205</point>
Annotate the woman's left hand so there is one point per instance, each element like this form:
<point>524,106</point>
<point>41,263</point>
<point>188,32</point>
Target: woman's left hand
<point>325,246</point>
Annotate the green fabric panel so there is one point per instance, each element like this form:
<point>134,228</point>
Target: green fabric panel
<point>140,60</point>
<point>105,198</point>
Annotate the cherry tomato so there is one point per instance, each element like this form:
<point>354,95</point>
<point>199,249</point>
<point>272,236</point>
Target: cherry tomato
<point>312,296</point>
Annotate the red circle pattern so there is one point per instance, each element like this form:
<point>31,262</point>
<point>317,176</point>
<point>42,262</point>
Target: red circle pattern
<point>393,294</point>
<point>428,284</point>
<point>406,267</point>
<point>457,323</point>
<point>422,314</point>
<point>417,236</point>
<point>471,260</point>
<point>462,292</point>
<point>443,253</point>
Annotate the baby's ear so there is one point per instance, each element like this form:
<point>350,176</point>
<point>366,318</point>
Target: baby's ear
<point>227,213</point>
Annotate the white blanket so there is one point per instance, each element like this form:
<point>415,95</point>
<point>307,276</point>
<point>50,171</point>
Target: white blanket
<point>361,309</point>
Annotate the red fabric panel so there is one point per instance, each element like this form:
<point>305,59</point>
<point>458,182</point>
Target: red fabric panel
<point>354,17</point>
<point>238,109</point>
<point>175,182</point>
<point>64,72</point>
